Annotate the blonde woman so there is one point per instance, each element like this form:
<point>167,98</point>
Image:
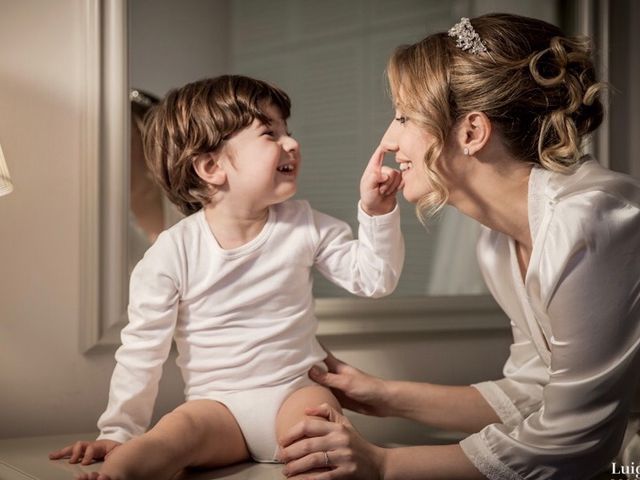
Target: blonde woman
<point>490,118</point>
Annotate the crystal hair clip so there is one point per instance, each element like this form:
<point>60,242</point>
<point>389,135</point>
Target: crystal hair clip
<point>467,39</point>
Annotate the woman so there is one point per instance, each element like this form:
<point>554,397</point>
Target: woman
<point>490,119</point>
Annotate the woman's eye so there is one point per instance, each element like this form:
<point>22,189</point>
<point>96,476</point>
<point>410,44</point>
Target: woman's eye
<point>401,119</point>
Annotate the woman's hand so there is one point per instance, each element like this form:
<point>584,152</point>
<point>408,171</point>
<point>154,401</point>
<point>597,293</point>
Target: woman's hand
<point>88,452</point>
<point>329,450</point>
<point>353,388</point>
<point>379,185</point>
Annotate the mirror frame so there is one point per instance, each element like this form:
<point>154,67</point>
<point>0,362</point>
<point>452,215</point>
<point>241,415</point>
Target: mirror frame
<point>104,203</point>
<point>104,198</point>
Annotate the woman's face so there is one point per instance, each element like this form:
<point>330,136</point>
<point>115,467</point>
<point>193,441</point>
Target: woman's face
<point>409,142</point>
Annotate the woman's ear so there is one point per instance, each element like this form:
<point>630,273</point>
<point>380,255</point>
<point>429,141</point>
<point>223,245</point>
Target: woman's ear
<point>207,167</point>
<point>474,132</point>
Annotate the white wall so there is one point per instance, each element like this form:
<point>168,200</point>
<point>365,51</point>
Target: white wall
<point>40,92</point>
<point>47,386</point>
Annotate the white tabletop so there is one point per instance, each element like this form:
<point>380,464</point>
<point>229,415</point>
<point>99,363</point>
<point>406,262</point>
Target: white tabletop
<point>27,459</point>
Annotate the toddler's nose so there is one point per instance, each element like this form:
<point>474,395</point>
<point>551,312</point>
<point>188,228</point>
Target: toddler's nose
<point>290,144</point>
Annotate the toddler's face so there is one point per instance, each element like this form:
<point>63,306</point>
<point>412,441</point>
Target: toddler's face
<point>263,162</point>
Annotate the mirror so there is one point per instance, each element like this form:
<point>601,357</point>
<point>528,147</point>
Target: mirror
<point>330,57</point>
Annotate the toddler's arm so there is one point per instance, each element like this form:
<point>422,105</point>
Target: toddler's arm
<point>371,265</point>
<point>146,342</point>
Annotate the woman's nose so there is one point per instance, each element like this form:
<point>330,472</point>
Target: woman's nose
<point>389,140</point>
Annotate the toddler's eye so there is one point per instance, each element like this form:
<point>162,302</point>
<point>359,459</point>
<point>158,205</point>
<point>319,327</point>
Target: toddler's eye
<point>269,133</point>
<point>401,119</point>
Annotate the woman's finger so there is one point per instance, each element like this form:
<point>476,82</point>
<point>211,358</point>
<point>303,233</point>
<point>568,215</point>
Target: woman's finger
<point>328,379</point>
<point>326,411</point>
<point>304,448</point>
<point>335,364</point>
<point>308,427</point>
<point>314,461</point>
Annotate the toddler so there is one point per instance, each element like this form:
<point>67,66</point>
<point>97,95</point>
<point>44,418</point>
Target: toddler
<point>231,284</point>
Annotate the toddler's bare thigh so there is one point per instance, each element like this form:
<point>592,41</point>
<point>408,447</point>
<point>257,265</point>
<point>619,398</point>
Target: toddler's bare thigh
<point>292,409</point>
<point>220,440</point>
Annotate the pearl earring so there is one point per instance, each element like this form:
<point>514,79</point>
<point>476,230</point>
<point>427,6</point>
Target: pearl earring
<point>466,151</point>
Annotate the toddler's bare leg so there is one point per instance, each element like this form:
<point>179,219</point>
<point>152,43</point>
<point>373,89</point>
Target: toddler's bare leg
<point>200,433</point>
<point>292,410</point>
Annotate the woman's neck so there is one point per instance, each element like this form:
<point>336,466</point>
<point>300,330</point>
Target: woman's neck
<point>494,191</point>
<point>234,227</point>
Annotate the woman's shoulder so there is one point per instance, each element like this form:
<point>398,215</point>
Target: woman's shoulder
<point>593,200</point>
<point>592,203</point>
<point>592,181</point>
<point>591,225</point>
<point>594,214</point>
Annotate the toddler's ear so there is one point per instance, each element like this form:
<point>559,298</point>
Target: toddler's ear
<point>208,169</point>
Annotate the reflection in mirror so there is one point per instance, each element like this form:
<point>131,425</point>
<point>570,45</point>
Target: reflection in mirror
<point>331,61</point>
<point>146,212</point>
<point>150,212</point>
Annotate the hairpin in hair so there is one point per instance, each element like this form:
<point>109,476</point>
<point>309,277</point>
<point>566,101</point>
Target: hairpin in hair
<point>467,38</point>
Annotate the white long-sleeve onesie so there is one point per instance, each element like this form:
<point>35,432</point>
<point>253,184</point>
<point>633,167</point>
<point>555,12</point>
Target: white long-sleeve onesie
<point>241,318</point>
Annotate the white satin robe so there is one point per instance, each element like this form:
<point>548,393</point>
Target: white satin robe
<point>569,400</point>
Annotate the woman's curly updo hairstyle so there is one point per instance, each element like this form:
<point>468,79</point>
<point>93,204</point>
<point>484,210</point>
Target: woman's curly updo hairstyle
<point>537,86</point>
<point>195,120</point>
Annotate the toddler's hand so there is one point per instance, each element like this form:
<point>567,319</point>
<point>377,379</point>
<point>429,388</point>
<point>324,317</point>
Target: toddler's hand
<point>85,452</point>
<point>379,185</point>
